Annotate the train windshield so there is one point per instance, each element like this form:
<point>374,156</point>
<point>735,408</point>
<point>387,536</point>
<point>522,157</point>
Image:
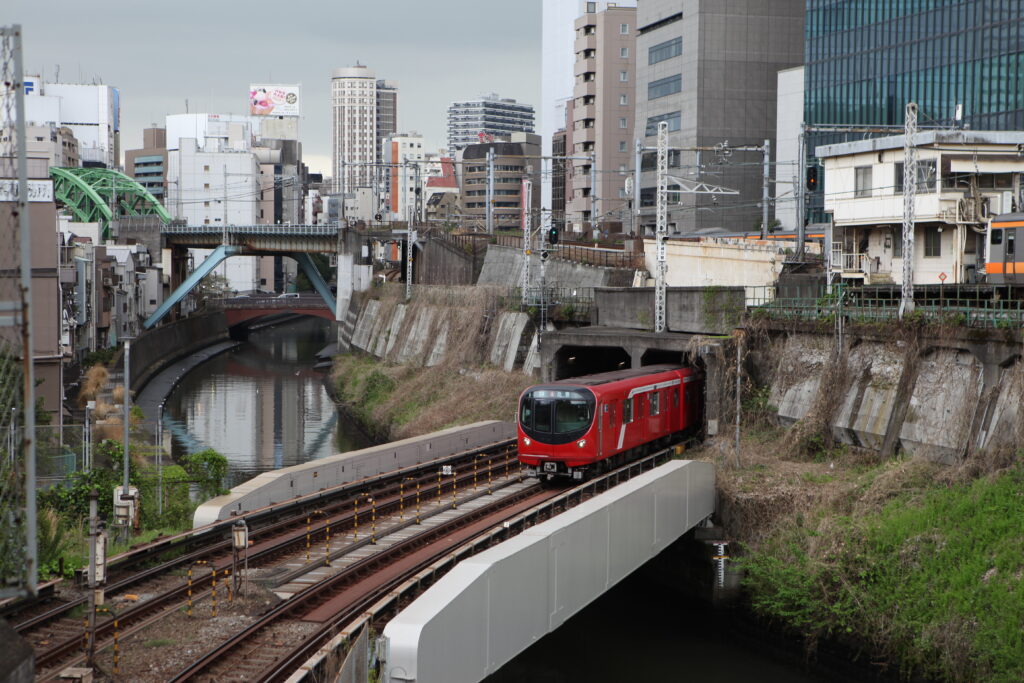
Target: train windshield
<point>563,413</point>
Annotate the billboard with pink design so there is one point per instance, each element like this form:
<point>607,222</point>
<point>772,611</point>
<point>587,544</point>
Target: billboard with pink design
<point>273,100</point>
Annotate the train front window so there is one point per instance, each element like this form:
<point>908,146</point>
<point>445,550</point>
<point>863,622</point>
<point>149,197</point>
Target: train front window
<point>563,414</point>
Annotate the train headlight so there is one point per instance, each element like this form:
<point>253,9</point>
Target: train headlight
<point>581,443</point>
<point>526,441</point>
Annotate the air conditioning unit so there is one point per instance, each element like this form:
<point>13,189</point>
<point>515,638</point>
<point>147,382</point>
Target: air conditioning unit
<point>106,282</point>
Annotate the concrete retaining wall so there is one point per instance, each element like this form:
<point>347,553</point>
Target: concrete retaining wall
<point>286,484</point>
<point>158,348</point>
<point>697,310</point>
<point>420,334</point>
<point>444,263</point>
<point>941,399</point>
<point>504,266</point>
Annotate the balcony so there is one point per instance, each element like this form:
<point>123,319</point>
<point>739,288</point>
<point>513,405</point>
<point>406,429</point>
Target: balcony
<point>584,89</point>
<point>583,66</point>
<point>584,135</point>
<point>586,111</point>
<point>585,43</point>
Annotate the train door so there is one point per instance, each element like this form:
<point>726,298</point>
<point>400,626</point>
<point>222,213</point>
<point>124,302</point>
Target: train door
<point>1011,243</point>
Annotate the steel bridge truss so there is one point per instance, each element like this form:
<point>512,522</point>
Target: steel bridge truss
<point>99,195</point>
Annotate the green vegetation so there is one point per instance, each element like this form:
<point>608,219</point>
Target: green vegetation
<point>64,509</point>
<point>929,576</point>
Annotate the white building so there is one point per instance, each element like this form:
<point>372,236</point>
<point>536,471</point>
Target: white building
<point>92,112</point>
<point>353,127</point>
<point>489,115</point>
<point>406,172</point>
<point>963,178</point>
<point>217,185</point>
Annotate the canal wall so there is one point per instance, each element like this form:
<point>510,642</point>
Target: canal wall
<point>463,325</point>
<point>943,395</point>
<point>313,477</point>
<point>158,348</point>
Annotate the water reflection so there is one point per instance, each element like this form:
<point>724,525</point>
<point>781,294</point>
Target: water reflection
<point>262,404</point>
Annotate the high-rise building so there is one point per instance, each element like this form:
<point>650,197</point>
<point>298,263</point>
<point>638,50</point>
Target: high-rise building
<point>602,115</point>
<point>864,63</point>
<point>387,113</point>
<point>470,121</point>
<point>149,165</point>
<point>353,127</point>
<point>92,112</point>
<point>709,71</point>
<point>556,76</point>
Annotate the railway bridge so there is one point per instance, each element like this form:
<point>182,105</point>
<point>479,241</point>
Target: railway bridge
<point>437,541</point>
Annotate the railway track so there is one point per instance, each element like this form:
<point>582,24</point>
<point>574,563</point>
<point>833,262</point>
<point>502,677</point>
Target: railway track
<point>57,632</point>
<point>258,653</point>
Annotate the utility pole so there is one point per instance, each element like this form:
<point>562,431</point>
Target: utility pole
<point>527,242</point>
<point>637,165</point>
<point>764,188</point>
<point>490,190</point>
<point>160,460</point>
<point>801,179</point>
<point>593,196</point>
<point>661,228</point>
<point>909,199</point>
<point>93,542</point>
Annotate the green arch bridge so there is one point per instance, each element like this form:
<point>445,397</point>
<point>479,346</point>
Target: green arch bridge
<point>101,194</point>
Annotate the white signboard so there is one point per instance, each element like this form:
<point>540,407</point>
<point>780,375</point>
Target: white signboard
<point>266,99</point>
<point>38,190</point>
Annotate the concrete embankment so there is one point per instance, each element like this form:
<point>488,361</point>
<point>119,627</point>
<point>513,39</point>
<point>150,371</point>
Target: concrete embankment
<point>446,324</point>
<point>938,395</point>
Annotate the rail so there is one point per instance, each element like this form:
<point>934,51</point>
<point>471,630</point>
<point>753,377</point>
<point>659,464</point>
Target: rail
<point>270,302</point>
<point>270,230</point>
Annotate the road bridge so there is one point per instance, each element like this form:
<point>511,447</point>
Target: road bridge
<point>241,309</point>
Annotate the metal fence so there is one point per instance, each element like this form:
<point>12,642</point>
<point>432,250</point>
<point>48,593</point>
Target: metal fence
<point>952,306</point>
<point>569,302</point>
<point>606,257</point>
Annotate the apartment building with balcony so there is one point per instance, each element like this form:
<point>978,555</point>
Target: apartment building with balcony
<point>148,165</point>
<point>964,177</point>
<point>484,118</point>
<point>514,161</point>
<point>602,116</point>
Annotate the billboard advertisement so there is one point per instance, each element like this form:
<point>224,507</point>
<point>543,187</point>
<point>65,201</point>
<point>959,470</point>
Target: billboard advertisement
<point>273,100</point>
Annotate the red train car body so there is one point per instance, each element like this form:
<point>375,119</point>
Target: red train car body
<point>578,426</point>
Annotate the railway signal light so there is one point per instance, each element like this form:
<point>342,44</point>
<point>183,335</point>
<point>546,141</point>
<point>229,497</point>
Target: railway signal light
<point>812,178</point>
<point>553,235</point>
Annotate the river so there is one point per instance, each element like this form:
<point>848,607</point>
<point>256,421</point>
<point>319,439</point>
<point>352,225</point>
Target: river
<point>262,404</point>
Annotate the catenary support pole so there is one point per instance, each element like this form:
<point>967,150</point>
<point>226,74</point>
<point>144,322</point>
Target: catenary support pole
<point>766,181</point>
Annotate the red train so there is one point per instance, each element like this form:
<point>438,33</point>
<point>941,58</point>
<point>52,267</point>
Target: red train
<point>584,425</point>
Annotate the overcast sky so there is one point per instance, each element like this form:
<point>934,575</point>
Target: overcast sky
<point>161,53</point>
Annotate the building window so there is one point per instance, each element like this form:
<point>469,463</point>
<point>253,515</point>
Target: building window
<point>206,168</point>
<point>673,119</point>
<point>623,99</point>
<point>664,86</point>
<point>624,29</point>
<point>624,76</point>
<point>206,203</point>
<point>206,186</point>
<point>622,169</point>
<point>622,122</point>
<point>667,50</point>
<point>591,7</point>
<point>622,146</point>
<point>926,176</point>
<point>932,242</point>
<point>862,181</point>
<point>624,52</point>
